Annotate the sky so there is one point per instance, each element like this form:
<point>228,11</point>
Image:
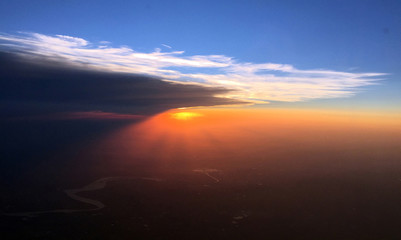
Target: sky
<point>263,119</point>
<point>309,54</point>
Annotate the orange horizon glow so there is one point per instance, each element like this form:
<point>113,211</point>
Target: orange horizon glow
<point>220,136</point>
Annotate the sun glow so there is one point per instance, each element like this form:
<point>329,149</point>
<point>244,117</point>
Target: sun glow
<point>185,115</point>
<point>227,138</point>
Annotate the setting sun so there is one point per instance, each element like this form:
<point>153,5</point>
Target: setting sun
<point>185,115</point>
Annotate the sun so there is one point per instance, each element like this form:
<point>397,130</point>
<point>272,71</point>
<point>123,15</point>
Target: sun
<point>185,115</point>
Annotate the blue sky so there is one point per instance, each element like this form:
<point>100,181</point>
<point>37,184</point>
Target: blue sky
<point>344,36</point>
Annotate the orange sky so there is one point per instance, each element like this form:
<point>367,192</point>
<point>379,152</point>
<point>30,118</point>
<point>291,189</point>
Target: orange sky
<point>223,138</point>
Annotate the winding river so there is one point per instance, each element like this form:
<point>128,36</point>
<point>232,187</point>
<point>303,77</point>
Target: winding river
<point>73,193</point>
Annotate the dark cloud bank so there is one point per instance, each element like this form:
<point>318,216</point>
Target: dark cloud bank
<point>33,85</point>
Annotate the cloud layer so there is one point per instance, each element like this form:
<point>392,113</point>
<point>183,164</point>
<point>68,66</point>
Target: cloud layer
<point>253,82</point>
<point>36,85</point>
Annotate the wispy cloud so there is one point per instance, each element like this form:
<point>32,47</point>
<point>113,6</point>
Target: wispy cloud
<point>259,82</point>
<point>167,46</point>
